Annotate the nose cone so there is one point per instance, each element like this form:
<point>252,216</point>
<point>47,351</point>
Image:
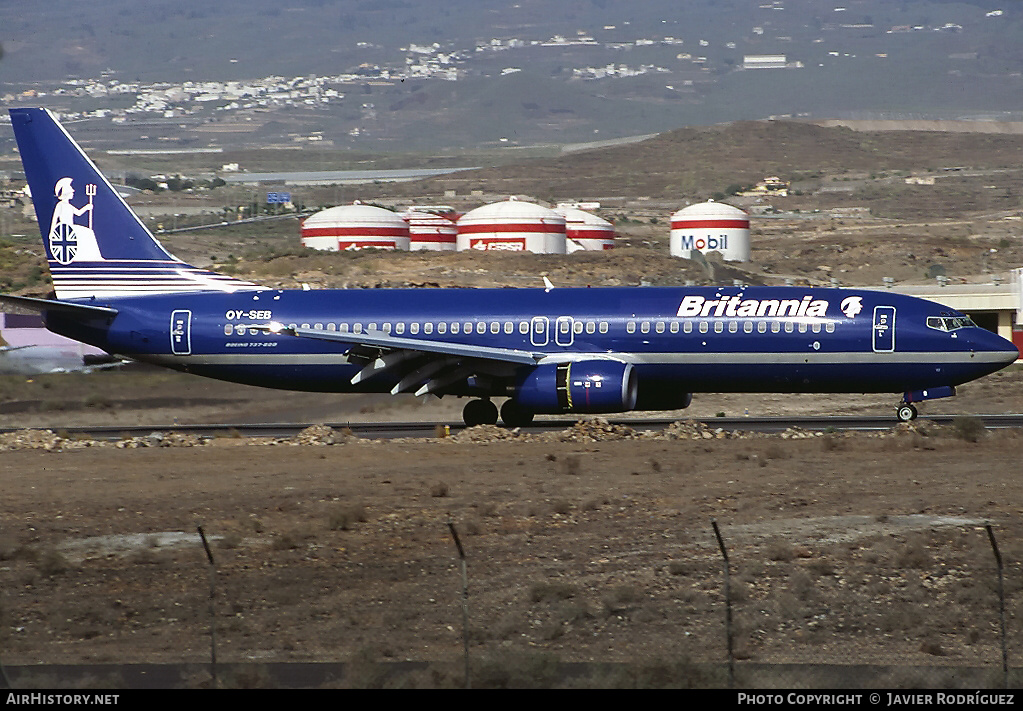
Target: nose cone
<point>999,351</point>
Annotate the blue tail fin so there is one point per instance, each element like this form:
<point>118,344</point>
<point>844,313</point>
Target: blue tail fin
<point>96,246</point>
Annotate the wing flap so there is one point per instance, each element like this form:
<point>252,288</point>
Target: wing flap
<point>379,339</point>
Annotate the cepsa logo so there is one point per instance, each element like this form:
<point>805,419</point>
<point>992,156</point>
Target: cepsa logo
<point>737,306</point>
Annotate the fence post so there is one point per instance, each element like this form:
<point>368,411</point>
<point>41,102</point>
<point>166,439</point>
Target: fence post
<point>728,606</point>
<point>1001,604</point>
<point>213,618</point>
<point>465,599</point>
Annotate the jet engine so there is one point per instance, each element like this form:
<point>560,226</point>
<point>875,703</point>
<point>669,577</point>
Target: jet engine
<point>590,386</point>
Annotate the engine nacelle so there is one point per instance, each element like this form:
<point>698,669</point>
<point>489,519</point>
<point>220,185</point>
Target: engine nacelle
<point>591,386</point>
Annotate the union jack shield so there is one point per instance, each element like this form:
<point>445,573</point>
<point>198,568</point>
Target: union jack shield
<point>63,243</point>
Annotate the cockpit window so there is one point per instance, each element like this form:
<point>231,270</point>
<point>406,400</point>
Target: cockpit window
<point>949,323</point>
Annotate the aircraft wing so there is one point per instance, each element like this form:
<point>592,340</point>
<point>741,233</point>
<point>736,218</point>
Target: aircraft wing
<point>433,366</point>
<point>10,349</point>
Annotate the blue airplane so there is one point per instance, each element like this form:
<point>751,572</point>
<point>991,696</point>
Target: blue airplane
<point>546,350</point>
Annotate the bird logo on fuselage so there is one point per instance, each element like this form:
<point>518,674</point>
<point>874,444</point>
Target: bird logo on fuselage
<point>852,305</point>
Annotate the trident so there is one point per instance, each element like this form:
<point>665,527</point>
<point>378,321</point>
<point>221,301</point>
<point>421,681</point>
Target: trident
<point>90,190</point>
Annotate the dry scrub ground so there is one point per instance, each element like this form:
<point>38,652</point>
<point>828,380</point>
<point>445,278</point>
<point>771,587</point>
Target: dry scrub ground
<point>845,550</point>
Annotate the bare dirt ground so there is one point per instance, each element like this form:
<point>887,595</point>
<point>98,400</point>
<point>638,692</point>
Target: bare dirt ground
<point>593,545</point>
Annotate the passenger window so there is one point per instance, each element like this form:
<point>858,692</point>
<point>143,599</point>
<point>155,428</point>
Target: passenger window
<point>802,327</point>
<point>318,327</point>
<point>674,326</point>
<point>688,327</point>
<point>775,327</point>
<point>428,327</point>
<point>228,329</point>
<point>719,327</point>
<point>495,327</point>
<point>578,327</point>
<point>523,328</point>
<point>468,327</point>
<point>761,326</point>
<point>603,326</point>
<point>591,327</point>
<point>703,327</point>
<point>830,326</point>
<point>644,327</point>
<point>816,328</point>
<point>788,327</point>
<point>454,327</point>
<point>240,330</point>
<point>733,326</point>
<point>305,325</point>
<point>385,327</point>
<point>509,327</point>
<point>413,328</point>
<point>357,327</point>
<point>442,327</point>
<point>630,327</point>
<point>331,326</point>
<point>481,327</point>
<point>399,327</point>
<point>660,327</point>
<point>343,327</point>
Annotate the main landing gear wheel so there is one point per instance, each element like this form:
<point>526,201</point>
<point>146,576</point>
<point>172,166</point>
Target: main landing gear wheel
<point>514,415</point>
<point>479,412</point>
<point>905,412</point>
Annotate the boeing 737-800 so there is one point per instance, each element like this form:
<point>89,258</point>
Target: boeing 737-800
<point>545,350</point>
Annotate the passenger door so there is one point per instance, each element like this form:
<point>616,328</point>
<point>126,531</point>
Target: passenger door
<point>884,329</point>
<point>181,332</point>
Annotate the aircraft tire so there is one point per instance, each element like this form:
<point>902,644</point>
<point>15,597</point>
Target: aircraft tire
<point>514,415</point>
<point>905,412</point>
<point>479,412</point>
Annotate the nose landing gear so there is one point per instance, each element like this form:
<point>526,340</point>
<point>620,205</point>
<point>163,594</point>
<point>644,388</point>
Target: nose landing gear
<point>906,412</point>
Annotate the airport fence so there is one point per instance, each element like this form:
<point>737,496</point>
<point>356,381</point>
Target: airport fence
<point>934,608</point>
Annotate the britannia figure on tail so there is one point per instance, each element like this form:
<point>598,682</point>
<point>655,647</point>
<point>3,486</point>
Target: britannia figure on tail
<point>69,241</point>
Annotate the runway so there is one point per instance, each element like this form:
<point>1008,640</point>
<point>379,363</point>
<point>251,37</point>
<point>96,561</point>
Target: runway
<point>393,430</point>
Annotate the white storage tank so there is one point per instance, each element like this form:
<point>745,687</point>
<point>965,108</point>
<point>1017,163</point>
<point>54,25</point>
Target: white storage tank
<point>586,231</point>
<point>711,227</point>
<point>512,225</point>
<point>432,227</point>
<point>355,226</point>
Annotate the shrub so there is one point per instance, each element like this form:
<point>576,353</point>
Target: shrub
<point>968,427</point>
<point>341,518</point>
<point>550,592</point>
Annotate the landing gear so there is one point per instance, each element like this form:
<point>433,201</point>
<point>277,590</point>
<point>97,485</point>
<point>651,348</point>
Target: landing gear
<point>514,415</point>
<point>905,412</point>
<point>479,412</point>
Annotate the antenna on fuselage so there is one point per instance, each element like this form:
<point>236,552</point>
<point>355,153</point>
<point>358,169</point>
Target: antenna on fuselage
<point>547,286</point>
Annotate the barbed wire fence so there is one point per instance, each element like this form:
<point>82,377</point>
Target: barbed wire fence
<point>866,665</point>
<point>785,626</point>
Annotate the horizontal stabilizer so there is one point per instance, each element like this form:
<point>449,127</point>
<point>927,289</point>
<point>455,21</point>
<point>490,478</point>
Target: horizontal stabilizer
<point>32,305</point>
